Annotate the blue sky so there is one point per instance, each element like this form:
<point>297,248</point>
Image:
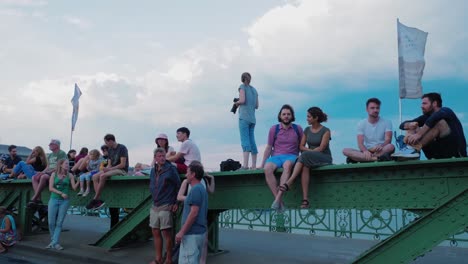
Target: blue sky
<point>153,66</point>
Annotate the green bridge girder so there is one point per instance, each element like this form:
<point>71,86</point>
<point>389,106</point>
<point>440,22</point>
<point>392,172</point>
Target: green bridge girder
<point>432,188</point>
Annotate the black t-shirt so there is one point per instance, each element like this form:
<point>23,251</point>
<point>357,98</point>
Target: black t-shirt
<point>38,165</point>
<point>9,162</point>
<point>116,153</point>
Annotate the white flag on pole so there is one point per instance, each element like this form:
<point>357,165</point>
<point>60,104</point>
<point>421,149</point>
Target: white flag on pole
<point>411,47</point>
<point>76,105</point>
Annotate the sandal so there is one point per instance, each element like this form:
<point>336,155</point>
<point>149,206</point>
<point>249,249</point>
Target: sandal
<point>284,187</point>
<point>305,204</point>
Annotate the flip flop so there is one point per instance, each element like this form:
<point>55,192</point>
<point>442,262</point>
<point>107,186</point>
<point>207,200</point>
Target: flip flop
<point>305,204</point>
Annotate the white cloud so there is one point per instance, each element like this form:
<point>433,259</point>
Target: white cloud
<point>317,40</point>
<point>24,3</point>
<point>81,23</point>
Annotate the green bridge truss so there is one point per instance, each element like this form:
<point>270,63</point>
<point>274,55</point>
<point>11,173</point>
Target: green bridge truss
<point>435,191</point>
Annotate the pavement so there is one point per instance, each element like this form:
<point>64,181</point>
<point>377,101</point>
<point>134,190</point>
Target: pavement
<point>240,246</point>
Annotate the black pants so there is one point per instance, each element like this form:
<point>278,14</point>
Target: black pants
<point>114,216</point>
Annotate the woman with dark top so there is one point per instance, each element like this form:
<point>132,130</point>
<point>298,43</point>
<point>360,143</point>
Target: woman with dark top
<point>59,186</point>
<point>316,154</point>
<point>71,158</point>
<point>36,161</point>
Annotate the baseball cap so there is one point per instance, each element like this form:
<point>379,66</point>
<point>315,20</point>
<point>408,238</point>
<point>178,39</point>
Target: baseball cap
<point>54,141</point>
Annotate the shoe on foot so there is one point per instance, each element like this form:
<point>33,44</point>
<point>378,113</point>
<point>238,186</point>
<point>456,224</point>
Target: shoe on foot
<point>80,193</point>
<point>91,204</point>
<point>58,247</point>
<point>86,193</point>
<point>275,205</point>
<point>98,204</point>
<point>49,246</point>
<point>384,157</point>
<point>407,152</point>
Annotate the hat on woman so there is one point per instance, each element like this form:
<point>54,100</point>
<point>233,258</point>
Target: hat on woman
<point>161,136</point>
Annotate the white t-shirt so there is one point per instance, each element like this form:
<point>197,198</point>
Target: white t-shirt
<point>374,134</point>
<point>190,151</point>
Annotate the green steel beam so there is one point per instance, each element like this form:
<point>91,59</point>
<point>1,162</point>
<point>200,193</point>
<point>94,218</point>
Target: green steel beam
<point>127,226</point>
<point>421,235</point>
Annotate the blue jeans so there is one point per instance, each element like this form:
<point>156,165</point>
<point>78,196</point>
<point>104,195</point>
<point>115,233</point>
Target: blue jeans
<point>57,212</point>
<point>247,136</point>
<point>27,169</point>
<point>191,248</point>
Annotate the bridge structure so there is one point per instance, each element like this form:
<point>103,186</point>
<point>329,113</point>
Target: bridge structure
<point>434,190</point>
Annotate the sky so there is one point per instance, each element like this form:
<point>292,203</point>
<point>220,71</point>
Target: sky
<point>150,67</point>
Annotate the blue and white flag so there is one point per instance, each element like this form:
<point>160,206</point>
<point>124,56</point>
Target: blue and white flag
<point>76,105</point>
<point>411,47</point>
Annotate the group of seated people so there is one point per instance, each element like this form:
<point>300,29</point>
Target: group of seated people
<point>437,132</point>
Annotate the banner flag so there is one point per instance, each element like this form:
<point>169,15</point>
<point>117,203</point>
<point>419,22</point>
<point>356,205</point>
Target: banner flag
<point>76,105</point>
<point>411,47</point>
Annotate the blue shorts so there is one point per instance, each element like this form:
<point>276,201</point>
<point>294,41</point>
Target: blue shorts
<point>279,160</point>
<point>191,248</point>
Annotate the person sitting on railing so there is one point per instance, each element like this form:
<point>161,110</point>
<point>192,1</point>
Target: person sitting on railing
<point>117,165</point>
<point>316,154</point>
<point>94,162</point>
<point>374,137</point>
<point>81,161</point>
<point>187,153</point>
<point>282,150</point>
<point>40,179</point>
<point>10,162</point>
<point>8,232</point>
<point>71,156</point>
<point>36,161</point>
<point>438,132</point>
<point>164,184</point>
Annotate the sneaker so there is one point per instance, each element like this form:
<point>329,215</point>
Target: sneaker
<point>50,246</point>
<point>58,247</point>
<point>407,152</point>
<point>86,193</point>
<point>98,205</point>
<point>91,204</point>
<point>384,157</point>
<point>399,140</point>
<point>275,206</point>
<point>80,193</point>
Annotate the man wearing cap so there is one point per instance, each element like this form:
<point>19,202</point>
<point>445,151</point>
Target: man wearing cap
<point>188,151</point>
<point>40,179</point>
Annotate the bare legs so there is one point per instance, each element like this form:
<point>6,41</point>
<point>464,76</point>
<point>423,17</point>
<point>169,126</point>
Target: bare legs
<point>271,180</point>
<point>158,242</point>
<point>245,156</point>
<point>358,155</point>
<point>39,182</point>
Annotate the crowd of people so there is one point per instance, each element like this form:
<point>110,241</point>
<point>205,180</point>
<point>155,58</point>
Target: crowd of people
<point>437,132</point>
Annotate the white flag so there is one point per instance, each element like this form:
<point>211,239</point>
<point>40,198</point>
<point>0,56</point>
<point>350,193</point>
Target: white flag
<point>76,105</point>
<point>411,47</point>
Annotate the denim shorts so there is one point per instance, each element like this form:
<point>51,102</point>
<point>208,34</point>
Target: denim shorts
<point>279,160</point>
<point>191,248</point>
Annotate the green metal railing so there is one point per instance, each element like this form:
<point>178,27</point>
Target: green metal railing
<point>346,223</point>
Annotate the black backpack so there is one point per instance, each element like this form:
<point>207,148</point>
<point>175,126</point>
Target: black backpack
<point>229,165</point>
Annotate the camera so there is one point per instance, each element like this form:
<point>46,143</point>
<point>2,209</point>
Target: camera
<point>234,106</point>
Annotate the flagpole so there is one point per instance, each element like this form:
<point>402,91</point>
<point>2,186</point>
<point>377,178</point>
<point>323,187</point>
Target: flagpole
<point>71,139</point>
<point>399,109</point>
